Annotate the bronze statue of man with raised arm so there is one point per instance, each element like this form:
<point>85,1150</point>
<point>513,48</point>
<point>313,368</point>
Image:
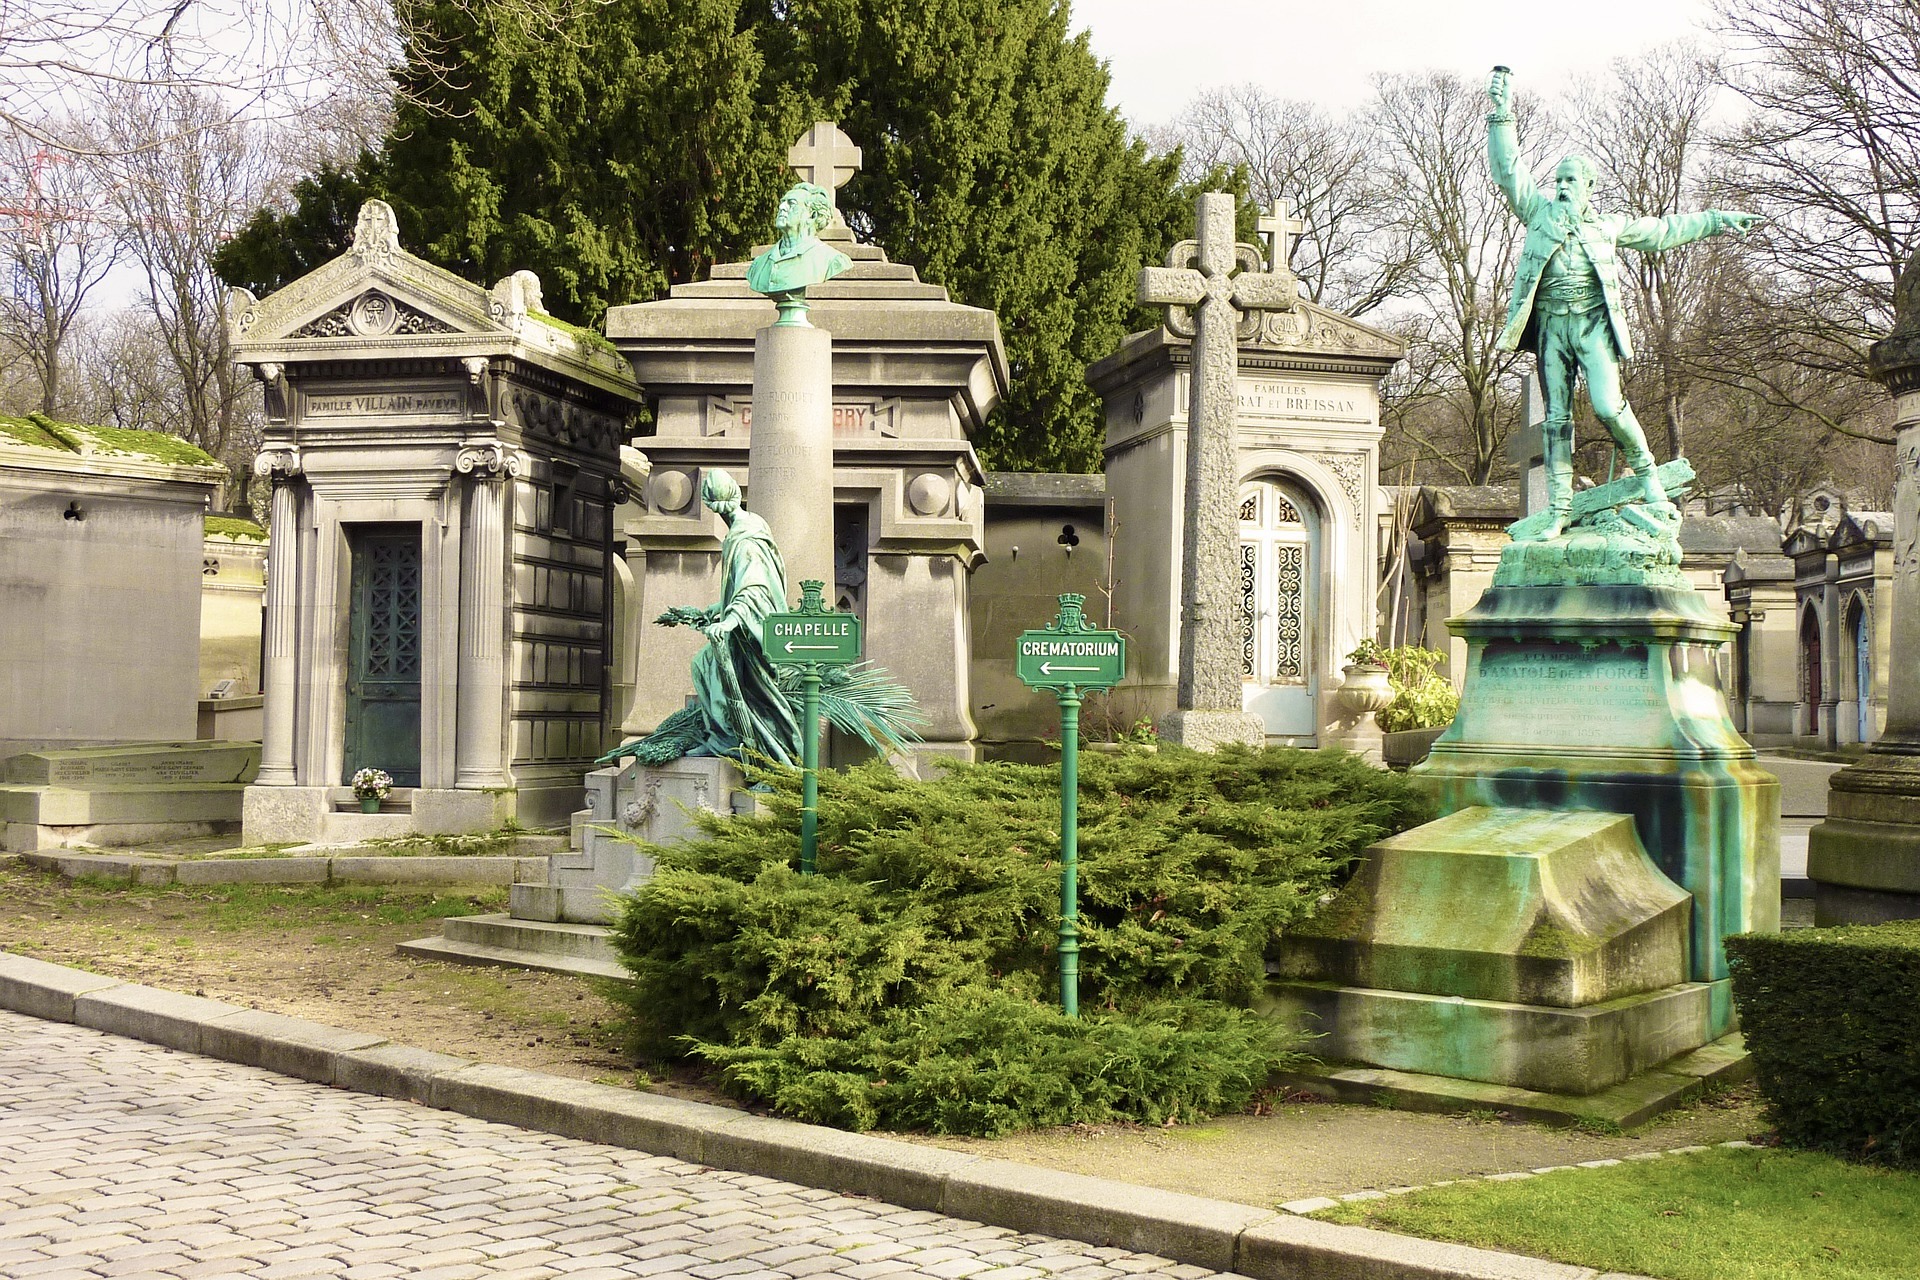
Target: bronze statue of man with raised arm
<point>1567,308</point>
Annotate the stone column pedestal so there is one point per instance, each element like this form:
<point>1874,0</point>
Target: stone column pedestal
<point>1606,698</point>
<point>1864,860</point>
<point>790,448</point>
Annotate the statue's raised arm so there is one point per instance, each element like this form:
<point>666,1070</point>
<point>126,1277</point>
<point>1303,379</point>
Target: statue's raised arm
<point>1567,309</point>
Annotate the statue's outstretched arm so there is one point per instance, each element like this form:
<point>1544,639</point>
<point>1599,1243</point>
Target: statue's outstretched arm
<point>1657,235</point>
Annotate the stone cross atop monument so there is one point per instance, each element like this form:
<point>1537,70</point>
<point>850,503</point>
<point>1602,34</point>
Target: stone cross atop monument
<point>1212,286</point>
<point>827,158</point>
<point>1280,229</point>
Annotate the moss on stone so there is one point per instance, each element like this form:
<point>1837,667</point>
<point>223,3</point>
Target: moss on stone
<point>589,339</point>
<point>1344,917</point>
<point>40,431</point>
<point>28,432</point>
<point>234,527</point>
<point>1549,942</point>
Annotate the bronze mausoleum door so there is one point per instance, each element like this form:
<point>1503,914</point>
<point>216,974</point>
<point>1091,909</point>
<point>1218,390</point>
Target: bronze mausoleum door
<point>383,661</point>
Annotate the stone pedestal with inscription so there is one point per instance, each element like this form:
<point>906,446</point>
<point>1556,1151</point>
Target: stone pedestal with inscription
<point>1600,815</point>
<point>630,808</point>
<point>1606,698</point>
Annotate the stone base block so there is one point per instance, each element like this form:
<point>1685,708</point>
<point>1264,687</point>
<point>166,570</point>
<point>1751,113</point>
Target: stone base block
<point>53,806</point>
<point>338,828</point>
<point>1210,730</point>
<point>1632,1102</point>
<point>1864,860</point>
<point>283,815</point>
<point>1527,906</point>
<point>1837,904</point>
<point>524,944</point>
<point>574,904</point>
<point>1567,1051</point>
<point>458,813</point>
<point>26,837</point>
<point>629,806</point>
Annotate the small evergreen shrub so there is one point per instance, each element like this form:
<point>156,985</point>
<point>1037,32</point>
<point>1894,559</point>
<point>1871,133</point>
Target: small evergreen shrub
<point>912,983</point>
<point>1832,1018</point>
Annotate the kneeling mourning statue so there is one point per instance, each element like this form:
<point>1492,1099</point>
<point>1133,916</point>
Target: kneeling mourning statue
<point>742,708</point>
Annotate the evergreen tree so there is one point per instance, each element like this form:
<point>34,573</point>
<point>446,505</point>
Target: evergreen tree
<point>644,140</point>
<point>992,162</point>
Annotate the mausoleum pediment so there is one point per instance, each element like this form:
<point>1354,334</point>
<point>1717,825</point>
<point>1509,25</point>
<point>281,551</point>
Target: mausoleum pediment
<point>377,301</point>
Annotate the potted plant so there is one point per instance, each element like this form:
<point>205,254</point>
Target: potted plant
<point>1366,687</point>
<point>370,787</point>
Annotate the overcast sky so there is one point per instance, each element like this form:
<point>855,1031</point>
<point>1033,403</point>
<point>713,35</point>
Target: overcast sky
<point>1163,51</point>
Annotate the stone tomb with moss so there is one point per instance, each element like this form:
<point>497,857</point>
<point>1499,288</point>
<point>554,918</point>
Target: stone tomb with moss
<point>1560,930</point>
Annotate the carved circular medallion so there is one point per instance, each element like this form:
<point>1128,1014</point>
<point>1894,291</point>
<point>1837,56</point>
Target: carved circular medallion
<point>929,492</point>
<point>669,490</point>
<point>373,314</point>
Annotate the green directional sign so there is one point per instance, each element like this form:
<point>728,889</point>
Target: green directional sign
<point>1088,659</point>
<point>1070,658</point>
<point>811,637</point>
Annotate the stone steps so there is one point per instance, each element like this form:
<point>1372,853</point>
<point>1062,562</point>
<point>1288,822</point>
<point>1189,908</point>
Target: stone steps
<point>499,939</point>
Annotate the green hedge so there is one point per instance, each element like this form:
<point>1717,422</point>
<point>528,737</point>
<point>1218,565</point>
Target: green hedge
<point>911,984</point>
<point>1832,1018</point>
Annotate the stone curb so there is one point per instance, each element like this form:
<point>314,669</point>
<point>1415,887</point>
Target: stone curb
<point>296,869</point>
<point>1260,1243</point>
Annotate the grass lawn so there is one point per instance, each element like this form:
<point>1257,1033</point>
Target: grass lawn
<point>1725,1214</point>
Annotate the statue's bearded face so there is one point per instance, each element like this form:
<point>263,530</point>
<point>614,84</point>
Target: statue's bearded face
<point>1572,187</point>
<point>803,211</point>
<point>792,215</point>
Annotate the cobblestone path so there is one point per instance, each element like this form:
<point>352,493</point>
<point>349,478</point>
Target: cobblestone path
<point>119,1158</point>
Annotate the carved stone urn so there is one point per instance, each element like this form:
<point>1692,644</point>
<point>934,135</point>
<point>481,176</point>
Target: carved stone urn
<point>1365,689</point>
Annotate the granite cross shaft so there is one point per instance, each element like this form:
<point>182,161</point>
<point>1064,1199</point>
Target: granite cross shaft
<point>827,158</point>
<point>1200,275</point>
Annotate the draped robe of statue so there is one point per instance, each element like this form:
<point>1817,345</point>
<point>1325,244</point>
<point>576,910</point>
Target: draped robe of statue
<point>737,709</point>
<point>734,683</point>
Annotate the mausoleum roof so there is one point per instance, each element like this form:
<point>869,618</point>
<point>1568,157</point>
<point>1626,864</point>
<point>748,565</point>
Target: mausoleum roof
<point>1707,536</point>
<point>1467,502</point>
<point>39,441</point>
<point>888,327</point>
<point>1044,489</point>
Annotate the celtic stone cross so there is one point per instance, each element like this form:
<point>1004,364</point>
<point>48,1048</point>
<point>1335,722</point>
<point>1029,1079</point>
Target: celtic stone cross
<point>827,158</point>
<point>1200,281</point>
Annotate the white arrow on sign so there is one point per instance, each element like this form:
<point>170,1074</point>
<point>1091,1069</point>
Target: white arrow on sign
<point>824,648</point>
<point>1048,668</point>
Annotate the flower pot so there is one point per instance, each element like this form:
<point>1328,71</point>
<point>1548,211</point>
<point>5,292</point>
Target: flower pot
<point>369,804</point>
<point>1365,689</point>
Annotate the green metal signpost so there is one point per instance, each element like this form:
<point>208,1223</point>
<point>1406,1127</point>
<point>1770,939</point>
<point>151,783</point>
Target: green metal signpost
<point>1069,657</point>
<point>811,637</point>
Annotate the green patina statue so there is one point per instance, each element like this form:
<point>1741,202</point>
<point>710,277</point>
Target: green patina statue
<point>799,259</point>
<point>739,708</point>
<point>1567,310</point>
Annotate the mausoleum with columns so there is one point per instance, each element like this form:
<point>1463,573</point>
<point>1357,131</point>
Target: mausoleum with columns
<point>444,461</point>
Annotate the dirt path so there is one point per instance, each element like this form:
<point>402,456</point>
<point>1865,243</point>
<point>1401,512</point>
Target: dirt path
<point>328,955</point>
